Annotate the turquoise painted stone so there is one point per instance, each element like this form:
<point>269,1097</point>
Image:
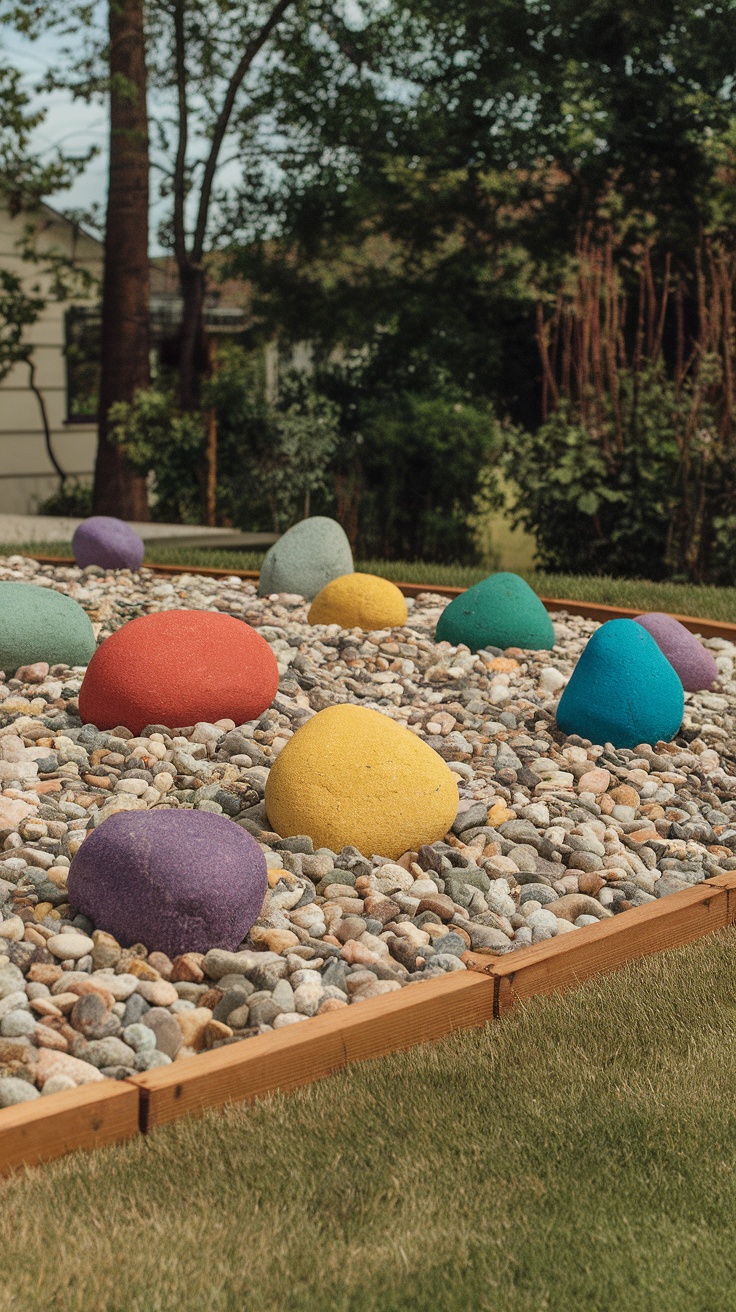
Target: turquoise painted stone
<point>308,557</point>
<point>622,690</point>
<point>38,624</point>
<point>502,611</point>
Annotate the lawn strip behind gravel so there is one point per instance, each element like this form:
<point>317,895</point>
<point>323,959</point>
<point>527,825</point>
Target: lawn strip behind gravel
<point>577,1155</point>
<point>678,598</point>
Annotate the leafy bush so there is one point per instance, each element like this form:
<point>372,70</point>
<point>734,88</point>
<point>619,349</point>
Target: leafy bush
<point>159,439</point>
<point>425,463</point>
<point>73,499</point>
<point>271,459</point>
<point>415,464</point>
<point>599,502</point>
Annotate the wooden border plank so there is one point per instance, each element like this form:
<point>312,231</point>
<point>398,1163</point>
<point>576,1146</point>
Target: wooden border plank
<point>561,963</point>
<point>300,1054</point>
<point>87,1117</point>
<point>728,881</point>
<point>591,610</point>
<point>101,1114</point>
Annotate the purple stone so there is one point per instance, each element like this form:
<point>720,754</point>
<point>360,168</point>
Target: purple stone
<point>108,542</point>
<point>176,881</point>
<point>692,661</point>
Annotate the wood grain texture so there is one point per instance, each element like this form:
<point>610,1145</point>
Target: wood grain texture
<point>87,1117</point>
<point>563,962</point>
<point>302,1053</point>
<point>728,881</point>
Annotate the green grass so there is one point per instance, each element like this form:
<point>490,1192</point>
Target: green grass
<point>680,598</point>
<point>577,1156</point>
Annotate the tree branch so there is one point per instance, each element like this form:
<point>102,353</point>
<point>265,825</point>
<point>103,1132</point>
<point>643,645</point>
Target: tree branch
<point>223,119</point>
<point>180,242</point>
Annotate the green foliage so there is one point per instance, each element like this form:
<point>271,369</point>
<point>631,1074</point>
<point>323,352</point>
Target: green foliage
<point>423,462</point>
<point>158,439</point>
<point>24,180</point>
<point>650,501</point>
<point>73,499</point>
<point>593,504</point>
<point>18,310</point>
<point>271,458</point>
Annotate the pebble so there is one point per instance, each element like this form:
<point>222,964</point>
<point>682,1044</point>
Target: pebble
<point>552,833</point>
<point>13,1091</point>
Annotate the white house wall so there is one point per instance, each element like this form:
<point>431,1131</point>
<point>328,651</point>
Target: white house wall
<point>26,473</point>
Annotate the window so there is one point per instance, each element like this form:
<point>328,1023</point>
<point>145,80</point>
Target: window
<point>82,350</point>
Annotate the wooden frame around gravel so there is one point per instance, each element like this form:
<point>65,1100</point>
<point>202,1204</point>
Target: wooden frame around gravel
<point>113,1111</point>
<point>590,610</point>
<point>107,1113</point>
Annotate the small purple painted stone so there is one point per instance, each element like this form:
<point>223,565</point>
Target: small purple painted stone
<point>108,542</point>
<point>176,881</point>
<point>691,660</point>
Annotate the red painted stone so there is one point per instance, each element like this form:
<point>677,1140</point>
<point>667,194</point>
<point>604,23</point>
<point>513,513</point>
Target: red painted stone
<point>178,667</point>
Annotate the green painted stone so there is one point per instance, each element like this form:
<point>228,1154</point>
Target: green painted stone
<point>38,624</point>
<point>308,557</point>
<point>502,611</point>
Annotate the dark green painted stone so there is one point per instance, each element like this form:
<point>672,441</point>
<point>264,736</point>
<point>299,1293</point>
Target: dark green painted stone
<point>38,624</point>
<point>502,611</point>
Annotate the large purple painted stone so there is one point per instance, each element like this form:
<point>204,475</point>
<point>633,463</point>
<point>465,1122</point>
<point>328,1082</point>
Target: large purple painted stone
<point>176,881</point>
<point>108,542</point>
<point>692,661</point>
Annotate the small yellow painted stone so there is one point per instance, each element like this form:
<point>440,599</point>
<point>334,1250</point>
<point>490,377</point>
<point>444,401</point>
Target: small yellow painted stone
<point>353,776</point>
<point>359,601</point>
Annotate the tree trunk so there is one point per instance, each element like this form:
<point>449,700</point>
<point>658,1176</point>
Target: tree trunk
<point>125,345</point>
<point>192,347</point>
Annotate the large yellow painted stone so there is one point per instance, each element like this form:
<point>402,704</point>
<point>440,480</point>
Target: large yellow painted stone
<point>359,601</point>
<point>353,776</point>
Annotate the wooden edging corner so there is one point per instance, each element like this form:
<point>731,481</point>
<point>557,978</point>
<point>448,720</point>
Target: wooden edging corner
<point>110,1112</point>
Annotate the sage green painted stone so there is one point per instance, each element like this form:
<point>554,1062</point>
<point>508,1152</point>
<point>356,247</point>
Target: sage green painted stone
<point>308,557</point>
<point>39,624</point>
<point>502,611</point>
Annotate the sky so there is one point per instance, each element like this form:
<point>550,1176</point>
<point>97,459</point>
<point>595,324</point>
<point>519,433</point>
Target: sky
<point>70,123</point>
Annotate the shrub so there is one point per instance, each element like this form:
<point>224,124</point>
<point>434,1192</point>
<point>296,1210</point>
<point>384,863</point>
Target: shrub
<point>271,459</point>
<point>594,506</point>
<point>425,463</point>
<point>73,499</point>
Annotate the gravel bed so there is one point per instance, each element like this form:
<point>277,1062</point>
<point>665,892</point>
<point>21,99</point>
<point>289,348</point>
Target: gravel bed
<point>553,833</point>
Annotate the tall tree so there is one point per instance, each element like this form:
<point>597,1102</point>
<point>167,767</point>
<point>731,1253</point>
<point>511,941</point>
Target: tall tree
<point>522,122</point>
<point>105,60</point>
<point>125,336</point>
<point>247,82</point>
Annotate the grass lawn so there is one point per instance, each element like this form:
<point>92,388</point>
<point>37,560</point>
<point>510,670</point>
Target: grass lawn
<point>683,599</point>
<point>577,1156</point>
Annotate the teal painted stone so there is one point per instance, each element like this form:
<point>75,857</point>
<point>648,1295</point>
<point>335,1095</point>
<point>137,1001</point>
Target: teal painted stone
<point>308,557</point>
<point>622,690</point>
<point>502,611</point>
<point>38,624</point>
